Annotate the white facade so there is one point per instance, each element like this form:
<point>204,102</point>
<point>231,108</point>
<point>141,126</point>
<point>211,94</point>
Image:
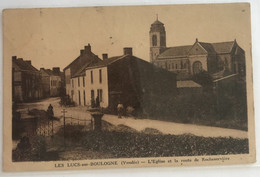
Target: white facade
<point>93,84</point>
<point>78,90</point>
<point>97,84</point>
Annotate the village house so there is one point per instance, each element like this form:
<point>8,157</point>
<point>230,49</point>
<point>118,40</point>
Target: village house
<point>218,59</point>
<point>51,81</point>
<point>123,79</point>
<point>26,81</point>
<point>76,69</point>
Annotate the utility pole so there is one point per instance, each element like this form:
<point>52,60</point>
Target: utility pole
<point>64,124</point>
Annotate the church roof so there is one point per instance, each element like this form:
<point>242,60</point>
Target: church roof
<point>212,48</point>
<point>208,47</point>
<point>157,26</point>
<point>157,22</point>
<point>176,51</point>
<point>223,47</point>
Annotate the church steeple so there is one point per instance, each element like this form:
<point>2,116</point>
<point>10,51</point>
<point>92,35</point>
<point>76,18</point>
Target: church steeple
<point>157,39</point>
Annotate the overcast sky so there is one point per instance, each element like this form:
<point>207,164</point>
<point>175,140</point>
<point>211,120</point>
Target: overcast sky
<point>54,37</point>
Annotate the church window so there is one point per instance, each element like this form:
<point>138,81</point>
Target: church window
<point>154,40</point>
<point>162,41</point>
<point>197,67</point>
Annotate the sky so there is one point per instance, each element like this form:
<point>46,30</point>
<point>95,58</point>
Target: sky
<point>53,37</point>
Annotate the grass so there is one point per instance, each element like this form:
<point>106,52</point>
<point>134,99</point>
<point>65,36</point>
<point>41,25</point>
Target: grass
<point>124,142</point>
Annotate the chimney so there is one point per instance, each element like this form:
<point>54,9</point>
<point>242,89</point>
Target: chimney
<point>81,52</point>
<point>88,48</point>
<point>104,56</point>
<point>56,70</point>
<point>14,57</point>
<point>28,62</point>
<point>128,51</point>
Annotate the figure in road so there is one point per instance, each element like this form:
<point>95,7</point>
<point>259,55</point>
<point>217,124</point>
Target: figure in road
<point>120,109</point>
<point>50,111</point>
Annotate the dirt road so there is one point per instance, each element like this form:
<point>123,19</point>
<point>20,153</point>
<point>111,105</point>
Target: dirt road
<point>138,124</point>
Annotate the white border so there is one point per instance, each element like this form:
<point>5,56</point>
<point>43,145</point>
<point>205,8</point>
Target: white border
<point>212,171</point>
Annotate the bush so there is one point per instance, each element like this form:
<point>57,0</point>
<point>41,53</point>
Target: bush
<point>33,149</point>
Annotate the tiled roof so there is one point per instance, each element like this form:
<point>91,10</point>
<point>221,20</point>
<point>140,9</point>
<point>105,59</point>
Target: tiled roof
<point>24,65</point>
<point>208,47</point>
<point>176,51</point>
<point>213,48</point>
<point>50,72</point>
<point>92,55</point>
<point>188,83</point>
<point>223,47</point>
<point>107,61</point>
<point>157,26</point>
<point>81,71</point>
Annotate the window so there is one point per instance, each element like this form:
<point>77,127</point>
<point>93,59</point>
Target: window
<point>100,76</point>
<point>197,67</point>
<point>100,94</point>
<point>92,95</point>
<point>72,94</point>
<point>84,97</point>
<point>91,76</point>
<point>79,98</point>
<point>72,83</point>
<point>154,40</point>
<point>176,66</point>
<point>79,81</point>
<point>83,81</point>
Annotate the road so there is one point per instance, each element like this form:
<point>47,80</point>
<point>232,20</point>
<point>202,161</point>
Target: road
<point>138,124</point>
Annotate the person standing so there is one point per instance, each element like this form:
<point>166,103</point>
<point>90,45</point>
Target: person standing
<point>120,109</point>
<point>97,102</point>
<point>50,111</point>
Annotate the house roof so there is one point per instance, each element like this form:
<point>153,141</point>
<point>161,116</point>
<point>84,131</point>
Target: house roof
<point>106,62</point>
<point>23,65</point>
<point>78,58</point>
<point>187,84</point>
<point>81,71</point>
<point>49,72</point>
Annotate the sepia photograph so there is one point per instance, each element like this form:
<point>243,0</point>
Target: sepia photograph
<point>127,86</point>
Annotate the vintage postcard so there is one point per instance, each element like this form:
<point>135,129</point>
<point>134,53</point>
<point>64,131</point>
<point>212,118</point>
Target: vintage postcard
<point>127,86</point>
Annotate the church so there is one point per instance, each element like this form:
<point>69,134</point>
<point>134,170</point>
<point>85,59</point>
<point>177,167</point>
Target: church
<point>218,59</point>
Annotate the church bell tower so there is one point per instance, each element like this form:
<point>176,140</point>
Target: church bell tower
<point>157,39</point>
